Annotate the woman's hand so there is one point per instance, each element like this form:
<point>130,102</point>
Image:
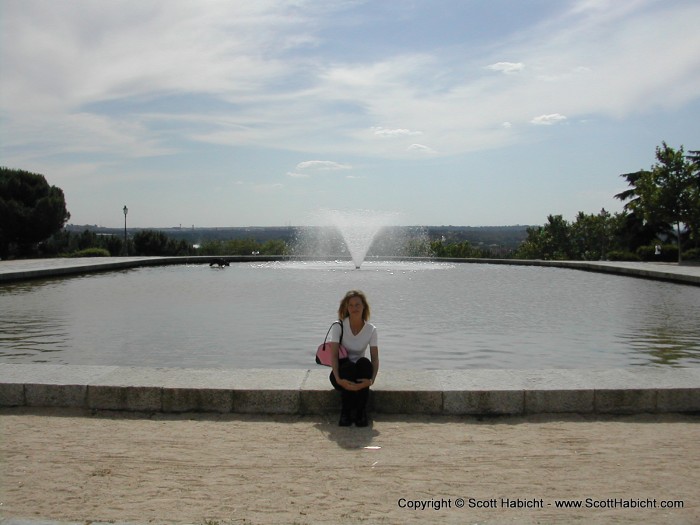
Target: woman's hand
<point>348,385</point>
<point>354,387</point>
<point>365,383</point>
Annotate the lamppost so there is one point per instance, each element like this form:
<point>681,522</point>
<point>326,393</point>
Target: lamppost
<point>603,232</point>
<point>126,245</point>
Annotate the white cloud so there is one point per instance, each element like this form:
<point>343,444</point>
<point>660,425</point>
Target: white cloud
<point>421,148</point>
<point>277,85</point>
<point>322,165</point>
<point>101,51</point>
<point>547,120</point>
<point>297,175</point>
<point>507,125</point>
<point>507,67</point>
<point>384,132</point>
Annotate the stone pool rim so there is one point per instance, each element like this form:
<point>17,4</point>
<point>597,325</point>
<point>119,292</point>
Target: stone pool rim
<point>476,392</point>
<point>30,269</point>
<point>306,391</point>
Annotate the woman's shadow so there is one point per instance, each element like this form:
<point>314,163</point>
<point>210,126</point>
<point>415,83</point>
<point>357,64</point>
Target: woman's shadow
<point>349,438</point>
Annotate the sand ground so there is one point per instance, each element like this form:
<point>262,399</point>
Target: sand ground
<point>226,469</point>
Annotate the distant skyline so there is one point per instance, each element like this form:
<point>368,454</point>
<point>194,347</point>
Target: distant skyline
<point>237,113</point>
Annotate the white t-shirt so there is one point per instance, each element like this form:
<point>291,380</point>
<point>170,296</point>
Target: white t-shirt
<point>356,345</point>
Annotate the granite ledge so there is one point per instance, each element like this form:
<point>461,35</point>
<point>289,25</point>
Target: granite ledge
<point>299,391</point>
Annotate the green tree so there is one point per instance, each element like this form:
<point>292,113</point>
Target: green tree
<point>114,244</point>
<point>455,250</point>
<point>233,247</point>
<point>65,243</point>
<point>151,242</point>
<point>551,241</point>
<point>274,247</point>
<point>589,239</point>
<point>639,229</point>
<point>670,191</point>
<point>30,210</point>
<point>693,158</point>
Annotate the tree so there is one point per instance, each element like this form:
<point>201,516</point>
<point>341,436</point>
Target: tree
<point>152,242</point>
<point>30,210</point>
<point>455,250</point>
<point>551,241</point>
<point>589,236</point>
<point>670,191</point>
<point>638,230</point>
<point>274,247</point>
<point>693,158</point>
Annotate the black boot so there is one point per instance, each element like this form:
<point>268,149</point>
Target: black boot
<point>361,418</point>
<point>361,402</point>
<point>347,403</point>
<point>345,418</point>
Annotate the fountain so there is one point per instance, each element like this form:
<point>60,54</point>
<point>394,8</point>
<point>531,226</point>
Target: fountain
<point>359,229</point>
<point>353,231</point>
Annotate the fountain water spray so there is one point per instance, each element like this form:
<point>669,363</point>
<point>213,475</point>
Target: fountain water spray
<point>359,229</point>
<point>341,230</point>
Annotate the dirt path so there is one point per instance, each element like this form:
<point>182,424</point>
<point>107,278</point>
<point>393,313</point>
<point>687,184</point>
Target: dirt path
<point>65,465</point>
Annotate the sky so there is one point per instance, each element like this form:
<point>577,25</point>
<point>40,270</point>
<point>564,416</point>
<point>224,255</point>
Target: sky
<point>436,112</point>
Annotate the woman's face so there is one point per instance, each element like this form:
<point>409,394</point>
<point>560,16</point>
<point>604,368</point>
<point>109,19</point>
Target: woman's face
<point>355,306</point>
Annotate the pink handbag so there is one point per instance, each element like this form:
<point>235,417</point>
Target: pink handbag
<point>323,353</point>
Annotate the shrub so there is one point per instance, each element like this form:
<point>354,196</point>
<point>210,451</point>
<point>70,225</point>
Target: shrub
<point>692,255</point>
<point>621,255</point>
<point>90,252</point>
<point>669,253</point>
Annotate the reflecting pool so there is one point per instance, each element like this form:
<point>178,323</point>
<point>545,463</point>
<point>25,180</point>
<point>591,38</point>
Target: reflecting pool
<point>429,315</point>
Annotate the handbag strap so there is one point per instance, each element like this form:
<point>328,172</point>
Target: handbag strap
<point>329,331</point>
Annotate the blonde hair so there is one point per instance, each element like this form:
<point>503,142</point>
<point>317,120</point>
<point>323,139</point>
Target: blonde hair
<point>343,309</point>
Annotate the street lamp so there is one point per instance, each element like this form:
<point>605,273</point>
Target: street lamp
<point>126,245</point>
<point>603,232</point>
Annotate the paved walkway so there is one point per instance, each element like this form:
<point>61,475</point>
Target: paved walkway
<point>684,273</point>
<point>25,269</point>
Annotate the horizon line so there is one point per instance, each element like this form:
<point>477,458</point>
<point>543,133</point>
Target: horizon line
<point>193,227</point>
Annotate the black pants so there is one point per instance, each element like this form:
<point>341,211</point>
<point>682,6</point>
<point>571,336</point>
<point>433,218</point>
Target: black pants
<point>362,369</point>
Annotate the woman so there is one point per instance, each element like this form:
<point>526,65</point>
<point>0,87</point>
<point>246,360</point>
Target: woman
<point>354,375</point>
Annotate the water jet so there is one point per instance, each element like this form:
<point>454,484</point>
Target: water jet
<point>351,231</point>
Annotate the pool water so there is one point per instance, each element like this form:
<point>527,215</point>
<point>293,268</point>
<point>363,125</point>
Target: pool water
<point>429,315</point>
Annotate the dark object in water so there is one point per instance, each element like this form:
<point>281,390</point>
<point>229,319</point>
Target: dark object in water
<point>220,263</point>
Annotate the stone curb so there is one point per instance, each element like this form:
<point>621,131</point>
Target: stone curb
<point>435,392</point>
<point>44,268</point>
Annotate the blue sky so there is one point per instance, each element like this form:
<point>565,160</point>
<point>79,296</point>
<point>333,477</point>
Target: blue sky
<point>238,113</point>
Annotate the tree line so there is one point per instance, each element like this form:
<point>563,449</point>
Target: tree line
<point>660,221</point>
<point>149,243</point>
<point>660,218</point>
